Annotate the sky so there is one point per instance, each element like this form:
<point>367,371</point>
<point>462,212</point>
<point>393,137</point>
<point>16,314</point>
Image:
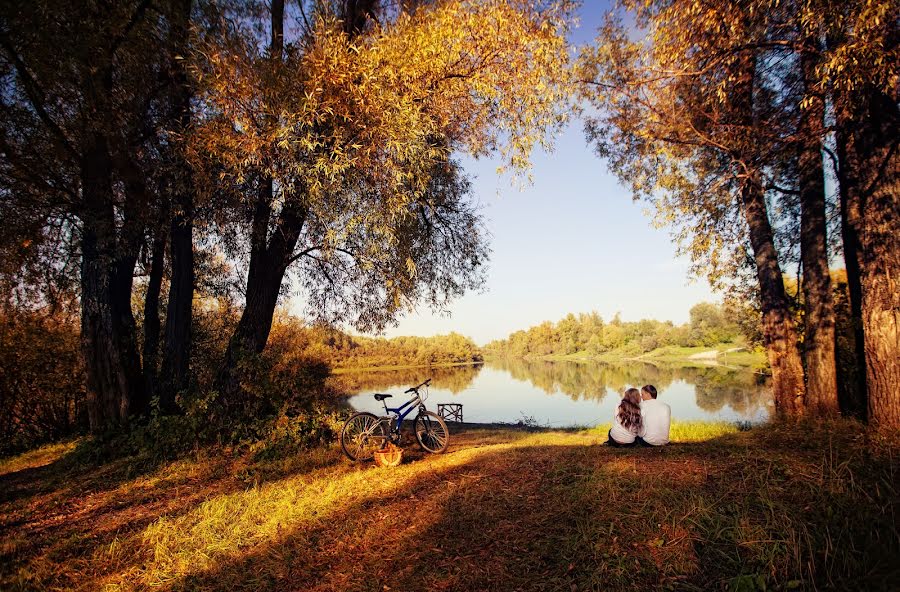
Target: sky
<point>572,241</point>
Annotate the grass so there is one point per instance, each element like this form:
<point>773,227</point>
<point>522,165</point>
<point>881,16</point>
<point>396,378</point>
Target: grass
<point>776,507</point>
<point>36,458</point>
<point>686,431</point>
<point>755,358</point>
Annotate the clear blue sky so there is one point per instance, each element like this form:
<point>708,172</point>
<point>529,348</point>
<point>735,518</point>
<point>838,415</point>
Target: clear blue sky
<point>573,241</point>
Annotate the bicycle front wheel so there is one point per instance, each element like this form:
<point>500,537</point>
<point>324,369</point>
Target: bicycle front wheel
<point>432,432</point>
<point>362,435</point>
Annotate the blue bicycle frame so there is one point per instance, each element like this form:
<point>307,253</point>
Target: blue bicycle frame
<point>399,411</point>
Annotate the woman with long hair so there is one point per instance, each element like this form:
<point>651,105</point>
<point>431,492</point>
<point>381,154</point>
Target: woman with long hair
<point>627,420</point>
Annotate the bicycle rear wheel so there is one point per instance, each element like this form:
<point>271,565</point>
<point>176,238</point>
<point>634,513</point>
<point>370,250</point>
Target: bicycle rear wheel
<point>432,432</point>
<point>362,435</point>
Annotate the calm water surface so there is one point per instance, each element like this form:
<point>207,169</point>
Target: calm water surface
<point>560,394</point>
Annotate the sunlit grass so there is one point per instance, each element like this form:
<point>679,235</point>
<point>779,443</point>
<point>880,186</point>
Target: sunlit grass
<point>685,431</point>
<point>37,457</point>
<point>505,509</point>
<point>220,528</point>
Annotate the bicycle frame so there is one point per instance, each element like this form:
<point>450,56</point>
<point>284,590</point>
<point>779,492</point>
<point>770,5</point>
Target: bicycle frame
<point>361,434</point>
<point>402,411</point>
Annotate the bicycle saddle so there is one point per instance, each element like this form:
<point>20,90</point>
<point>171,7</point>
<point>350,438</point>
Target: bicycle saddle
<point>381,397</point>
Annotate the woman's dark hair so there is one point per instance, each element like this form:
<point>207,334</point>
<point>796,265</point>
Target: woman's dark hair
<point>629,411</point>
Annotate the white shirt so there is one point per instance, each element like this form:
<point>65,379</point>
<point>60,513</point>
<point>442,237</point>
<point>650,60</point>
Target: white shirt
<point>656,417</point>
<point>620,433</point>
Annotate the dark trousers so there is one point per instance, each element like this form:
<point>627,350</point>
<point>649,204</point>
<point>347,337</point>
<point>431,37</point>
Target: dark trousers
<point>638,441</point>
<point>614,444</point>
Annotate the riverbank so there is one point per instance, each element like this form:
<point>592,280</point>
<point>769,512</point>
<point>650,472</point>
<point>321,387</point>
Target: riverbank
<point>351,369</point>
<point>505,509</point>
<point>733,355</point>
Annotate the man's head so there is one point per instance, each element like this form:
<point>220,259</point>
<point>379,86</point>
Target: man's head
<point>648,391</point>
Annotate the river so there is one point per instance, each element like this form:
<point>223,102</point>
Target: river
<point>565,394</point>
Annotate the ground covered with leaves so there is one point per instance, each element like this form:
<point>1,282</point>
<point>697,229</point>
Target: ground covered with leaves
<point>814,507</point>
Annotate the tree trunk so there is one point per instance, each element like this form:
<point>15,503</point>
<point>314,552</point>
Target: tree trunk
<point>107,324</point>
<point>873,159</point>
<point>778,328</point>
<point>268,262</point>
<point>151,312</point>
<point>852,392</point>
<point>819,331</point>
<point>176,360</point>
<point>175,371</point>
<point>779,333</point>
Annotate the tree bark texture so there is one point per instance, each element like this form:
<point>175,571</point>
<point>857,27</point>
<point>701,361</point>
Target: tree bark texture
<point>107,324</point>
<point>778,327</point>
<point>873,165</point>
<point>151,312</point>
<point>819,324</point>
<point>175,371</point>
<point>852,381</point>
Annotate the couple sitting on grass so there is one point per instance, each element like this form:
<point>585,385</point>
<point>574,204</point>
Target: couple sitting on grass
<point>640,419</point>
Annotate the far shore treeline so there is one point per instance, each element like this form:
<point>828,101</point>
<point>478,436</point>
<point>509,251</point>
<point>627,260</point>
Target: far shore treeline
<point>589,335</point>
<point>170,171</point>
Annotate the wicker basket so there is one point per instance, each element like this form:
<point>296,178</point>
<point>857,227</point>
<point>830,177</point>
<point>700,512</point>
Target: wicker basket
<point>389,457</point>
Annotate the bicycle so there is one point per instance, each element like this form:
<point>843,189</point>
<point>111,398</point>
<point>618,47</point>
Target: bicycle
<point>364,433</point>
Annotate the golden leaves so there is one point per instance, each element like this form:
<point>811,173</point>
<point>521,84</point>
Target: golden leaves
<point>468,75</point>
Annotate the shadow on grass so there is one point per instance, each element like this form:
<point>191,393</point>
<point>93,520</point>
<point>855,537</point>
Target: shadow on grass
<point>513,510</point>
<point>58,519</point>
<point>722,514</point>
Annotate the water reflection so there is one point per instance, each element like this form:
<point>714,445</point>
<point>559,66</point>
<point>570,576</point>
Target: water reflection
<point>449,378</point>
<point>583,381</point>
<point>744,392</point>
<point>571,393</point>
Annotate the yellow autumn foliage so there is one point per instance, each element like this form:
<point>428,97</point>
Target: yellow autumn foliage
<point>463,75</point>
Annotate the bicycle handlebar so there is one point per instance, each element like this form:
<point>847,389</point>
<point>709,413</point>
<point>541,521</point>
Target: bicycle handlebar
<point>413,389</point>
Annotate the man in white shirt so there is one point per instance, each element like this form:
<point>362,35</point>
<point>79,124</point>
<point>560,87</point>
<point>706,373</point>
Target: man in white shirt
<point>656,417</point>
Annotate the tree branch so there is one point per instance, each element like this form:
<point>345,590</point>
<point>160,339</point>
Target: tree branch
<point>36,96</point>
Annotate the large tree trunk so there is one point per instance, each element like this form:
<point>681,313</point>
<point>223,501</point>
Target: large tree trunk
<point>107,323</point>
<point>873,161</point>
<point>819,331</point>
<point>175,368</point>
<point>852,392</point>
<point>778,330</point>
<point>175,371</point>
<point>268,262</point>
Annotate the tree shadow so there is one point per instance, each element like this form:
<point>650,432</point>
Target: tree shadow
<point>529,511</point>
<point>521,518</point>
<point>57,518</point>
<point>550,516</point>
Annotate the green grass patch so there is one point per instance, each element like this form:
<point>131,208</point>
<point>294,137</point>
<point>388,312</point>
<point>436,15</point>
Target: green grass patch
<point>685,431</point>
